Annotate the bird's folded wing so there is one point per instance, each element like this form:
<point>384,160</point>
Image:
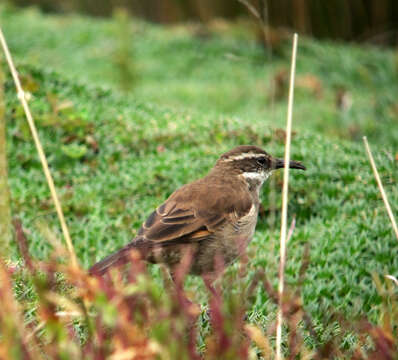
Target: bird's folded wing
<point>162,228</point>
<point>178,221</point>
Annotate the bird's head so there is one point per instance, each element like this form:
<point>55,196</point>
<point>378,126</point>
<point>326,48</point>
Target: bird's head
<point>253,163</point>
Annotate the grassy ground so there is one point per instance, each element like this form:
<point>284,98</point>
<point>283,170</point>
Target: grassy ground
<point>115,155</point>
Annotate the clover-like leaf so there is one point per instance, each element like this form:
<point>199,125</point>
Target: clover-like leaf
<point>74,151</point>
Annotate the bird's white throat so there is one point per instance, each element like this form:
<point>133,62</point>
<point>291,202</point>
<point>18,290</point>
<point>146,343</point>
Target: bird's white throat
<point>256,179</point>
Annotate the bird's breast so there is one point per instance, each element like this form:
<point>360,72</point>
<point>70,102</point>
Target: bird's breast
<point>247,223</point>
<point>235,236</point>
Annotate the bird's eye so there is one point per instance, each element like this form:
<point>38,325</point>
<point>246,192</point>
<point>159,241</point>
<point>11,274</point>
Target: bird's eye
<point>262,161</point>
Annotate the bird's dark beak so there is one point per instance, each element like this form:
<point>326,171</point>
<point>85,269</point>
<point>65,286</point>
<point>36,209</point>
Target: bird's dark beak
<point>280,163</point>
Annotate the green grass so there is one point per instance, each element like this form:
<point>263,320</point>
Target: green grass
<point>116,156</point>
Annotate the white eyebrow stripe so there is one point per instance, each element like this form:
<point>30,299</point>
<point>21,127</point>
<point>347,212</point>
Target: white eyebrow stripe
<point>244,156</point>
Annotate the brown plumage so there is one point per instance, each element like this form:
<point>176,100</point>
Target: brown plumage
<point>215,215</point>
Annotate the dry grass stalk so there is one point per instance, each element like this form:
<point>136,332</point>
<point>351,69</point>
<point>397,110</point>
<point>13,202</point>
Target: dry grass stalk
<point>283,239</point>
<point>42,156</point>
<point>380,185</point>
<point>251,9</point>
<point>261,16</point>
<point>5,212</point>
<point>392,278</point>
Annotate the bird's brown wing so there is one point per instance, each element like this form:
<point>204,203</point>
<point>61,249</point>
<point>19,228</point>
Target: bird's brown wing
<point>191,214</point>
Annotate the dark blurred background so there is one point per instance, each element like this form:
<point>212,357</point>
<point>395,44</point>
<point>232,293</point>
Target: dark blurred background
<point>374,21</point>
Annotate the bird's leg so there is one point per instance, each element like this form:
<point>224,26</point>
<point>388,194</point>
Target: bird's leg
<point>215,300</point>
<point>179,287</point>
<point>209,280</point>
<point>178,274</point>
<point>190,308</point>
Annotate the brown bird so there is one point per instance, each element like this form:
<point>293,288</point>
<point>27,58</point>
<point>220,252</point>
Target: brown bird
<point>212,216</point>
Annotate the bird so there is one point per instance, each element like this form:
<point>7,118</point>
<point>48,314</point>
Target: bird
<point>212,216</point>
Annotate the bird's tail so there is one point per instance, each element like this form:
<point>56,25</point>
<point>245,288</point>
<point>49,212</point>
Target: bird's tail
<point>119,258</point>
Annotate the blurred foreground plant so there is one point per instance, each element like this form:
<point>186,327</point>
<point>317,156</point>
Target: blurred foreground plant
<point>128,315</point>
<point>5,212</point>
